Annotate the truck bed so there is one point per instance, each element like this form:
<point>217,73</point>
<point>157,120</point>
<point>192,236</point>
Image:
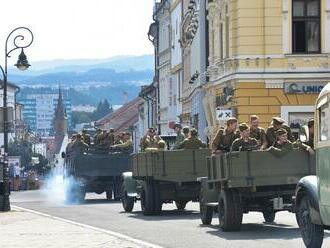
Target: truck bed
<point>260,168</point>
<point>173,166</point>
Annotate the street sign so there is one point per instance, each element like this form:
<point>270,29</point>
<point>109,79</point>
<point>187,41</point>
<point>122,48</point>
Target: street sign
<point>224,114</point>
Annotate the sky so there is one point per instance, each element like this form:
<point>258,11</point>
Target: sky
<point>79,29</point>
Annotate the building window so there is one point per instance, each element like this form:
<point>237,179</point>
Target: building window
<point>323,122</point>
<point>306,36</point>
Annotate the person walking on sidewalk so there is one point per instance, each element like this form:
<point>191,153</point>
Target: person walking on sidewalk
<point>17,173</point>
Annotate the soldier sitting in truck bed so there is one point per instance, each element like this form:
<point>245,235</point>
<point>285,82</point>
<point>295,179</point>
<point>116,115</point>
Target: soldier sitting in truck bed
<point>185,132</point>
<point>282,145</point>
<point>277,123</point>
<point>258,132</point>
<point>193,142</point>
<point>245,142</point>
<point>179,136</point>
<point>79,146</point>
<point>150,140</point>
<point>86,137</point>
<point>225,137</point>
<point>96,138</point>
<point>126,145</point>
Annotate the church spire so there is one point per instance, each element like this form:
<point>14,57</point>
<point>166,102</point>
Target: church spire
<point>60,118</point>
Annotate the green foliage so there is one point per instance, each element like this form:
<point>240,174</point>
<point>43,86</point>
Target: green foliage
<point>23,149</point>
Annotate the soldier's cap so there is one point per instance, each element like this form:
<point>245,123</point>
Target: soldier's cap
<point>280,132</point>
<point>243,126</point>
<point>278,120</point>
<point>231,120</point>
<point>194,132</point>
<point>185,129</point>
<point>177,125</point>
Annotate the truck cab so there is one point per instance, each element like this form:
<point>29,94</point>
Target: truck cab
<point>313,192</point>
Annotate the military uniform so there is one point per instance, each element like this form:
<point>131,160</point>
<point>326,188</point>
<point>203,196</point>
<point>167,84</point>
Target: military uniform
<point>259,134</point>
<point>282,149</point>
<point>125,145</point>
<point>87,138</point>
<point>179,139</point>
<point>271,134</point>
<point>191,143</point>
<point>224,139</point>
<point>242,145</point>
<point>79,146</point>
<point>149,142</point>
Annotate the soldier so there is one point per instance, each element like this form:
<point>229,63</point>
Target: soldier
<point>119,138</point>
<point>111,136</point>
<point>225,137</point>
<point>310,141</point>
<point>282,145</point>
<point>96,140</point>
<point>193,142</point>
<point>277,123</point>
<point>150,140</point>
<point>185,131</point>
<point>245,142</point>
<point>68,148</point>
<point>86,137</point>
<point>161,145</point>
<point>179,136</point>
<point>257,132</point>
<point>127,142</point>
<point>79,146</point>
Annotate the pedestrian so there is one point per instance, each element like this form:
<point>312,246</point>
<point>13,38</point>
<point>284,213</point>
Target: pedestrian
<point>17,174</point>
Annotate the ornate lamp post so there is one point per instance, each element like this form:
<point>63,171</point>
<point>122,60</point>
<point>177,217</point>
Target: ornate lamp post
<point>18,36</point>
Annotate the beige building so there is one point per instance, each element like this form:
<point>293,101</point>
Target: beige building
<point>267,57</point>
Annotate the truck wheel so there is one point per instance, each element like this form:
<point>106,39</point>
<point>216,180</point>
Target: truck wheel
<point>127,202</point>
<point>230,211</point>
<point>206,212</point>
<point>117,190</point>
<point>181,205</point>
<point>147,199</point>
<point>312,234</point>
<point>269,215</point>
<point>108,194</point>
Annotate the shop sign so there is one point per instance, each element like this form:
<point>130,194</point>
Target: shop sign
<point>304,88</point>
<point>224,114</point>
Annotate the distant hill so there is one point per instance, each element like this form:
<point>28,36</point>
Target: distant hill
<point>88,81</point>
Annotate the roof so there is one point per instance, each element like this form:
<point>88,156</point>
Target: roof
<point>123,118</point>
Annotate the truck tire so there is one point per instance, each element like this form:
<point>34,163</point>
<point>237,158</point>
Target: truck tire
<point>108,194</point>
<point>157,199</point>
<point>206,212</point>
<point>127,202</point>
<point>147,199</point>
<point>181,205</point>
<point>269,215</point>
<point>230,211</point>
<point>311,233</point>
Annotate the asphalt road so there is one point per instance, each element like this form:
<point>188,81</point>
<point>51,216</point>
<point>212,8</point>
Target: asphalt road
<point>171,229</point>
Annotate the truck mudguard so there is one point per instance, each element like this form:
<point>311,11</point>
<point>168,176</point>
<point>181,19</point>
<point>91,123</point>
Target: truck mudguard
<point>130,184</point>
<point>308,186</point>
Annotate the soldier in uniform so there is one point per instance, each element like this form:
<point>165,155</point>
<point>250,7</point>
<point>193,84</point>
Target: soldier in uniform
<point>119,138</point>
<point>150,140</point>
<point>277,124</point>
<point>310,141</point>
<point>86,137</point>
<point>193,142</point>
<point>185,131</point>
<point>245,142</point>
<point>68,148</point>
<point>96,137</point>
<point>79,146</point>
<point>283,145</point>
<point>179,136</point>
<point>111,137</point>
<point>225,137</point>
<point>127,143</point>
<point>257,132</point>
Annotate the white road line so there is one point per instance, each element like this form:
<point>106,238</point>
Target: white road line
<point>115,234</point>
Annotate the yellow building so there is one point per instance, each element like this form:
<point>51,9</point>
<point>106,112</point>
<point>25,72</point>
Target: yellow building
<point>266,57</point>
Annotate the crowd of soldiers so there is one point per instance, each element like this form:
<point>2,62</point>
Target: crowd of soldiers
<point>102,142</point>
<point>277,138</point>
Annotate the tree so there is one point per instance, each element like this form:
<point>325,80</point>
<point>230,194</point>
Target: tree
<point>103,109</point>
<point>21,148</point>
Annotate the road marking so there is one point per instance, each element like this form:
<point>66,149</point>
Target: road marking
<point>115,234</point>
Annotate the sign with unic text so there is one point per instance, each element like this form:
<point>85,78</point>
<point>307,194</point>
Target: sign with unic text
<point>304,88</point>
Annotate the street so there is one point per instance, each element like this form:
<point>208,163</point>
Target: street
<point>172,229</point>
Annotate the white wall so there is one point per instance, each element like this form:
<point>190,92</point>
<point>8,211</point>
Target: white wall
<point>176,54</point>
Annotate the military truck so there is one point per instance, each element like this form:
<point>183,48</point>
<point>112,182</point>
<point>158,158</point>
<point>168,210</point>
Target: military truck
<point>160,177</point>
<point>95,172</point>
<point>240,182</point>
<point>312,192</point>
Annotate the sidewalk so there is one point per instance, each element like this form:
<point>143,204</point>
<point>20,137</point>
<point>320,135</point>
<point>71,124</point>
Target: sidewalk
<point>20,228</point>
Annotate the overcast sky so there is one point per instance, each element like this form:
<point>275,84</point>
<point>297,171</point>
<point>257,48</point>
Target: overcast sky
<point>75,29</point>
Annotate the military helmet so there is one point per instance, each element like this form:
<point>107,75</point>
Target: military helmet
<point>280,132</point>
<point>243,126</point>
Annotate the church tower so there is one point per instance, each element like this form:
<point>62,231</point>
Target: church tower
<point>60,118</point>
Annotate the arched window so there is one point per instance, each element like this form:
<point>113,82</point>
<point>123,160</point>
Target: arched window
<point>306,37</point>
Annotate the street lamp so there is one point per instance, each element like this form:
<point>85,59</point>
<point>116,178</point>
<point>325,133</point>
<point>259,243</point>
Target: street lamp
<point>18,36</point>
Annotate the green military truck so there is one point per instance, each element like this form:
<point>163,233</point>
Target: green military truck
<point>240,182</point>
<point>94,173</point>
<point>313,192</point>
<point>163,177</point>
